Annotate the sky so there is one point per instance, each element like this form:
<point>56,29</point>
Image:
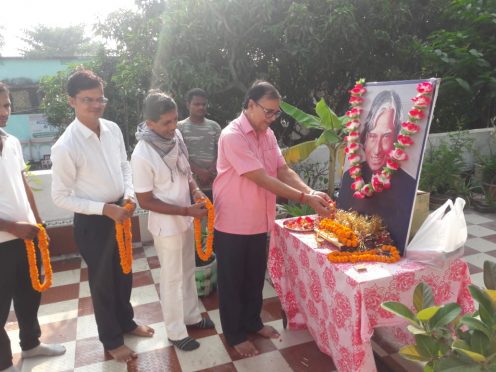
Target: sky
<point>19,15</point>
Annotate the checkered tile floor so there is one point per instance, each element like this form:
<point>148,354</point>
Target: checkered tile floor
<point>66,316</point>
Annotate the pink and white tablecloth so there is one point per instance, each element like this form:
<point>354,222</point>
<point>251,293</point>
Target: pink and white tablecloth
<point>341,306</point>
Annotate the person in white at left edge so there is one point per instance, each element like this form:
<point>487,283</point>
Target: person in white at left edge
<point>164,185</point>
<point>18,219</point>
<point>92,177</point>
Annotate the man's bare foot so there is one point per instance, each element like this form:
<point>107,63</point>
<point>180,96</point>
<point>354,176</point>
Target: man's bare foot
<point>246,349</point>
<point>122,354</point>
<point>143,331</point>
<point>269,332</point>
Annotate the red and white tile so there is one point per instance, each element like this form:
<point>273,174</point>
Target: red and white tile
<point>66,316</point>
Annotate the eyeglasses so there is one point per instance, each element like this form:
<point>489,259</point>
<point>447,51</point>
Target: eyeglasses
<point>269,113</point>
<point>89,101</point>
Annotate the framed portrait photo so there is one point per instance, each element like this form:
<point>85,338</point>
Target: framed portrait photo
<point>384,118</point>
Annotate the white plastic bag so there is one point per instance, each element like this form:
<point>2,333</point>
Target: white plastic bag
<point>441,236</point>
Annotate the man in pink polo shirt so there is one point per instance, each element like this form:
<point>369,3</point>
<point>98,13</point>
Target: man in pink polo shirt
<point>251,173</point>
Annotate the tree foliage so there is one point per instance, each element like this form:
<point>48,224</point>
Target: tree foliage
<point>464,56</point>
<point>126,68</point>
<point>43,41</point>
<point>310,49</point>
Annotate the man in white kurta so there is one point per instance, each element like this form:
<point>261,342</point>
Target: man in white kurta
<point>164,185</point>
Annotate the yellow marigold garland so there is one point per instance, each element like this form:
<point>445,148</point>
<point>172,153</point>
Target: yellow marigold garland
<point>45,259</point>
<point>205,255</point>
<point>385,253</point>
<point>344,234</point>
<point>124,238</point>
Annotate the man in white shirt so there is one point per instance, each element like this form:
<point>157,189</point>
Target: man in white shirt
<point>164,184</point>
<point>92,177</point>
<point>18,219</point>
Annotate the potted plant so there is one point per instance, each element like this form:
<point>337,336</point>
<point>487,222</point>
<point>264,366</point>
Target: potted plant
<point>442,170</point>
<point>489,176</point>
<point>445,340</point>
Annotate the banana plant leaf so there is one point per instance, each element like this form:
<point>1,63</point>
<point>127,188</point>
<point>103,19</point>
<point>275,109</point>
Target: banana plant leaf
<point>300,152</point>
<point>307,120</point>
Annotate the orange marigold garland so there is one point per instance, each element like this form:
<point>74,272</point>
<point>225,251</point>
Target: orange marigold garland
<point>45,259</point>
<point>344,234</point>
<point>124,238</point>
<point>360,238</point>
<point>385,253</point>
<point>205,255</point>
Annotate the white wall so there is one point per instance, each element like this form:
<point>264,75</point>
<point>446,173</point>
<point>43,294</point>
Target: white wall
<point>41,182</point>
<point>484,139</point>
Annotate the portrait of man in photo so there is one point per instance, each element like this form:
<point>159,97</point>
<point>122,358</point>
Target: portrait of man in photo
<point>385,108</point>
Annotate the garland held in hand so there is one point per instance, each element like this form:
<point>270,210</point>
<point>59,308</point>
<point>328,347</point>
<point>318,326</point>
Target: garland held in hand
<point>205,255</point>
<point>382,179</point>
<point>124,238</point>
<point>45,259</point>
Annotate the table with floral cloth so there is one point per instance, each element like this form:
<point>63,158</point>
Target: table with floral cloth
<point>340,306</point>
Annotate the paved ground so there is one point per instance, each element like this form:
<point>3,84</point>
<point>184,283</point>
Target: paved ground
<point>66,315</point>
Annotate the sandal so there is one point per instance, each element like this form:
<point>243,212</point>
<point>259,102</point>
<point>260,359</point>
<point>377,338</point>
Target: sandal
<point>186,344</point>
<point>205,323</point>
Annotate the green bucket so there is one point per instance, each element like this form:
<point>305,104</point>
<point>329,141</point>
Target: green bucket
<point>206,278</point>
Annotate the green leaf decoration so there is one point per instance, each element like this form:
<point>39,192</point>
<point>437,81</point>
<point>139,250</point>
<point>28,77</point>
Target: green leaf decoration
<point>411,352</point>
<point>475,324</point>
<point>307,120</point>
<point>455,365</point>
<point>490,275</point>
<point>328,137</point>
<point>486,317</point>
<point>465,349</point>
<point>479,342</point>
<point>415,330</point>
<point>324,113</point>
<point>422,296</point>
<point>426,314</point>
<point>491,294</point>
<point>300,152</point>
<point>426,346</point>
<point>483,299</point>
<point>445,315</point>
<point>400,310</point>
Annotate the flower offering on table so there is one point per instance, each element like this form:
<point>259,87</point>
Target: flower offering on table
<point>301,223</point>
<point>340,303</point>
<point>358,238</point>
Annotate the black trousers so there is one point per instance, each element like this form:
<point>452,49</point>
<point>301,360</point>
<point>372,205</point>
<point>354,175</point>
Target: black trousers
<point>241,262</point>
<point>110,288</point>
<point>15,284</point>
